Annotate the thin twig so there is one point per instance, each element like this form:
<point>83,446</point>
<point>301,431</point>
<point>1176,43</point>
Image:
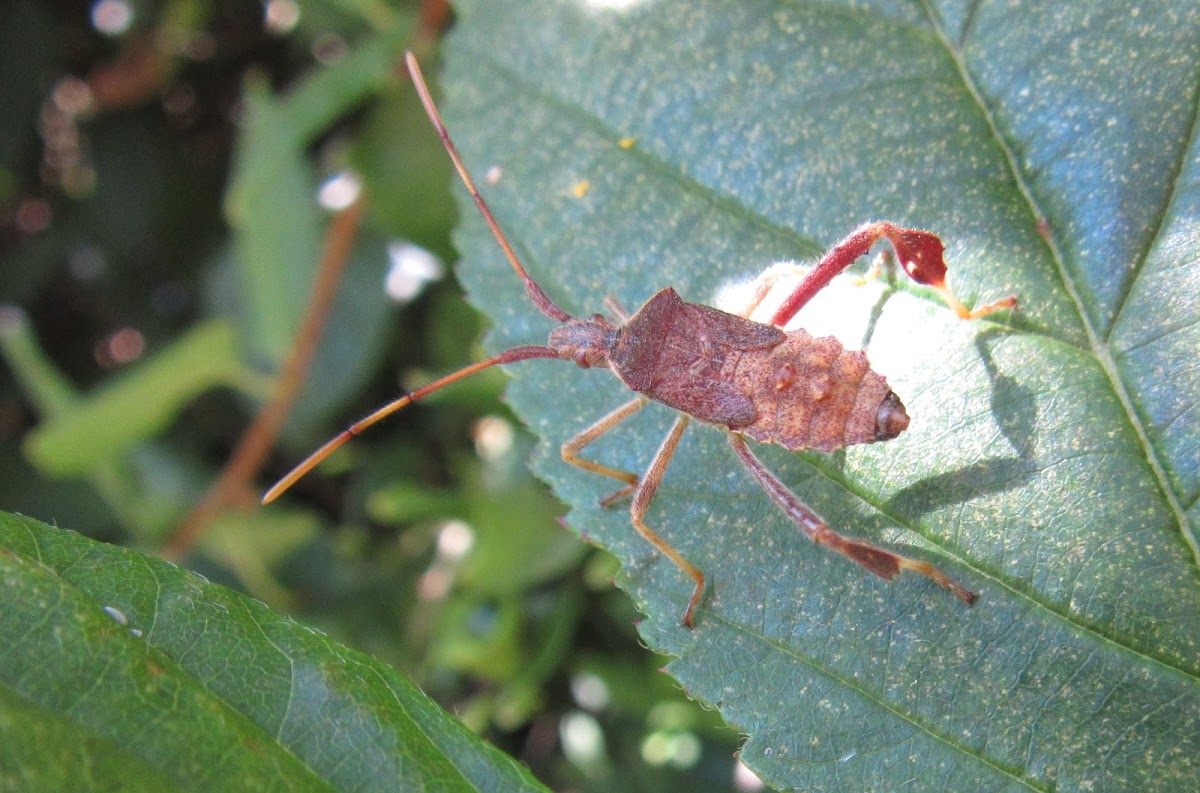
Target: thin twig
<point>233,485</point>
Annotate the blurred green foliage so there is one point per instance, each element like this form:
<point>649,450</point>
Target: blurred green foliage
<point>159,228</point>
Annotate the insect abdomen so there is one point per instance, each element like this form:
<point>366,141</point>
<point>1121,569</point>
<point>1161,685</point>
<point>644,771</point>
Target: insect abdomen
<point>812,393</point>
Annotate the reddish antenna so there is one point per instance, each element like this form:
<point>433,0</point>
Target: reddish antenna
<point>544,304</point>
<point>539,298</point>
<point>311,462</point>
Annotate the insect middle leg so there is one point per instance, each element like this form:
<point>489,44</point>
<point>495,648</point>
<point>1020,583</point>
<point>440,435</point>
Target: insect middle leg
<point>644,495</point>
<point>884,564</point>
<point>571,449</point>
<point>643,489</point>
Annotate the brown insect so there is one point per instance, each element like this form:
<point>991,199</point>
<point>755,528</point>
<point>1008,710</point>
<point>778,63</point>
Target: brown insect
<point>751,379</point>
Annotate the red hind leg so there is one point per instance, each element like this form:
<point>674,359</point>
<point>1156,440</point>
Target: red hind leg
<point>919,253</point>
<point>884,564</point>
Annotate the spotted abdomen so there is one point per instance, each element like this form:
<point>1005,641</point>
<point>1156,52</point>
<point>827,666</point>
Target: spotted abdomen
<point>812,393</point>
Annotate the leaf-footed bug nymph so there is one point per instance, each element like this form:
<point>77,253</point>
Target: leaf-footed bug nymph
<point>751,379</point>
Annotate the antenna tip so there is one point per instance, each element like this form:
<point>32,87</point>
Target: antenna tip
<point>279,488</point>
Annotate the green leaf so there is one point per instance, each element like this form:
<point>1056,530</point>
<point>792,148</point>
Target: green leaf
<point>133,667</point>
<point>136,405</point>
<point>1052,463</point>
<point>271,201</point>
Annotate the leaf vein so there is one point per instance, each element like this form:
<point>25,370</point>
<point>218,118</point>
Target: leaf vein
<point>1096,341</point>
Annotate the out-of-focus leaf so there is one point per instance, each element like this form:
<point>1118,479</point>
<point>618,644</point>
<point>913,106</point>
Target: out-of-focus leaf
<point>1051,463</point>
<point>253,546</point>
<point>401,502</point>
<point>271,203</point>
<point>190,682</point>
<point>276,224</point>
<point>46,387</point>
<point>355,338</point>
<point>137,405</point>
<point>407,183</point>
<point>518,542</point>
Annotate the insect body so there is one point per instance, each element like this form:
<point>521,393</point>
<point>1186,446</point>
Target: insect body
<point>749,378</point>
<point>723,369</point>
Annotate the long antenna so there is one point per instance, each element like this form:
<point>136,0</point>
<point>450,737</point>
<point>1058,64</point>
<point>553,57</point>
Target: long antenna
<point>314,459</point>
<point>539,298</point>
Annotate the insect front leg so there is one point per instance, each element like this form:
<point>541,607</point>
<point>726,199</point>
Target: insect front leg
<point>764,285</point>
<point>881,260</point>
<point>572,448</point>
<point>616,309</point>
<point>919,253</point>
<point>642,498</point>
<point>884,564</point>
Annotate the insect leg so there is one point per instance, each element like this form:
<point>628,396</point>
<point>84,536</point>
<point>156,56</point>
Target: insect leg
<point>641,503</point>
<point>877,265</point>
<point>616,309</point>
<point>884,564</point>
<point>765,283</point>
<point>919,253</point>
<point>572,448</point>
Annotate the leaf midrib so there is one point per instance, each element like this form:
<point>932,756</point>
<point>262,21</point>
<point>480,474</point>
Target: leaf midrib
<point>1098,346</point>
<point>736,209</point>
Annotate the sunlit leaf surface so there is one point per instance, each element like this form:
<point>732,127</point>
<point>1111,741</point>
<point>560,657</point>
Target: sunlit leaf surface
<point>1052,461</point>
